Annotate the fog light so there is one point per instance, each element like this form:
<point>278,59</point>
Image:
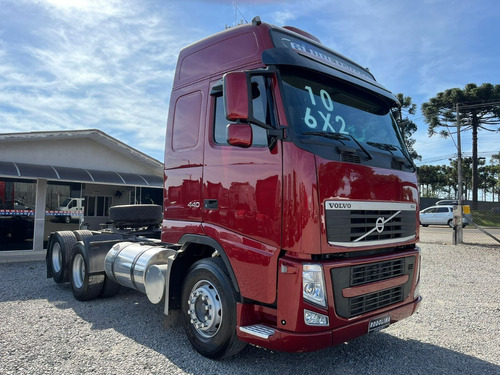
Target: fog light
<point>312,318</point>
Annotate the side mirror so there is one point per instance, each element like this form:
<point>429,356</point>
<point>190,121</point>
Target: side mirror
<point>240,135</point>
<point>236,96</point>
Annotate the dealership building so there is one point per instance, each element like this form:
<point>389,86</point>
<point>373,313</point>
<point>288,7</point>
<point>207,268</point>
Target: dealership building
<point>65,180</point>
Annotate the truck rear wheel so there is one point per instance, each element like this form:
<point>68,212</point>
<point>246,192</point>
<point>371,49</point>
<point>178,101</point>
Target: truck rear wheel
<point>109,288</point>
<point>85,287</point>
<point>59,255</point>
<point>82,234</point>
<point>209,310</point>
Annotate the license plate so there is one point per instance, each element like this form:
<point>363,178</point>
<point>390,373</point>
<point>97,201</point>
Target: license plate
<point>381,322</point>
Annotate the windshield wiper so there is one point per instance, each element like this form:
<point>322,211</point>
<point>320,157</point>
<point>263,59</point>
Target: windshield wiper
<point>336,136</point>
<point>341,137</point>
<point>370,157</point>
<point>407,157</point>
<point>383,146</point>
<point>390,148</point>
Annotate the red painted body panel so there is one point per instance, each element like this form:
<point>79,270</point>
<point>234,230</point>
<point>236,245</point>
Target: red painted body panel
<point>301,214</point>
<point>357,182</point>
<point>254,263</point>
<point>293,341</point>
<point>269,201</point>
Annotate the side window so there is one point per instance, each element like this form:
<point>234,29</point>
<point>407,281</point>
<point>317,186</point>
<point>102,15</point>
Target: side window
<point>186,124</point>
<point>261,110</point>
<point>261,104</point>
<point>443,209</point>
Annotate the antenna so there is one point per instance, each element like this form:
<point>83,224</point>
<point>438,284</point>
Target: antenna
<point>236,11</point>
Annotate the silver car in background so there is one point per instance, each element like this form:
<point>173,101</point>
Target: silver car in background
<point>439,215</point>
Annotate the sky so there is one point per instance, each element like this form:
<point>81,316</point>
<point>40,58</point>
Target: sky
<point>109,64</point>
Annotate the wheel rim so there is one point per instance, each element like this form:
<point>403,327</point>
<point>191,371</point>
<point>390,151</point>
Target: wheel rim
<point>78,273</point>
<point>56,257</point>
<point>205,309</point>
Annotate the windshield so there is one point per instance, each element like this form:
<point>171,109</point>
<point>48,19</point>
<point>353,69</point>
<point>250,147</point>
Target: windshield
<point>323,110</point>
<point>65,202</point>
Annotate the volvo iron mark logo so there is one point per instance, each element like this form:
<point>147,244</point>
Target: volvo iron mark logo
<point>379,224</point>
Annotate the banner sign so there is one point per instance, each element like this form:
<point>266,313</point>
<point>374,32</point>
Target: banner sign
<point>47,213</point>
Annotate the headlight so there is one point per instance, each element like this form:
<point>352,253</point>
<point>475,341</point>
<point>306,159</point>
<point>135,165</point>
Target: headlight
<point>313,284</point>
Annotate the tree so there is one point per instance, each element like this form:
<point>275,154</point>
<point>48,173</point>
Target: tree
<point>466,174</point>
<point>406,126</point>
<point>431,179</point>
<point>495,171</point>
<point>479,109</point>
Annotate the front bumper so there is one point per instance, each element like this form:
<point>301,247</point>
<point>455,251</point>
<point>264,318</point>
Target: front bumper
<point>288,341</point>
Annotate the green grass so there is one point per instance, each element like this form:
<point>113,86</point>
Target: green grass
<point>486,218</point>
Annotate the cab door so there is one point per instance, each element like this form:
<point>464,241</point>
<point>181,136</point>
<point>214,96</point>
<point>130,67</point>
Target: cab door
<point>242,194</point>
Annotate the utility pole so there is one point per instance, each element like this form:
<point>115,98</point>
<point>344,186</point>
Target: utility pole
<point>458,234</point>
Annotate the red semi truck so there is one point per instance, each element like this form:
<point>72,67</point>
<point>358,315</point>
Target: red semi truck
<point>290,202</point>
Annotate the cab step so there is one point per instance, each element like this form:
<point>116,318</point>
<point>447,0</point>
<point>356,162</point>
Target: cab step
<point>258,330</point>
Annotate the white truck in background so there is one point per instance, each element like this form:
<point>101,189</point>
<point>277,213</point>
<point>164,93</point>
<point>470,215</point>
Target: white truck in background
<point>74,207</point>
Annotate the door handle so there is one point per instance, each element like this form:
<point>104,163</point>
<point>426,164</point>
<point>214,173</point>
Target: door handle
<point>211,204</point>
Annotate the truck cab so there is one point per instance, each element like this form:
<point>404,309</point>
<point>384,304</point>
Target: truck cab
<point>290,211</point>
<point>299,179</point>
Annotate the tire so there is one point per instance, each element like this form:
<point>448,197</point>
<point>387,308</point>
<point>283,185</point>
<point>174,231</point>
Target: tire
<point>85,287</point>
<point>109,288</point>
<point>80,235</point>
<point>67,219</point>
<point>450,223</point>
<point>209,310</point>
<point>136,215</point>
<point>425,225</point>
<point>59,255</point>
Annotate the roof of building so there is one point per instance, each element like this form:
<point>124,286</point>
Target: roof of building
<point>77,155</point>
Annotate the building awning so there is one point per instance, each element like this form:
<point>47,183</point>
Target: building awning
<point>67,174</point>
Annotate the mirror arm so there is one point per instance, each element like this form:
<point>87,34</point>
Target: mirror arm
<point>279,132</point>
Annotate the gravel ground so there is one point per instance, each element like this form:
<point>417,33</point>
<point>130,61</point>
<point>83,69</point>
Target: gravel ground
<point>43,330</point>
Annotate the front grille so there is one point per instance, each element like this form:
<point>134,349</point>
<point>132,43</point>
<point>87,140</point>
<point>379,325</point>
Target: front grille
<point>369,273</point>
<point>369,302</point>
<point>369,222</point>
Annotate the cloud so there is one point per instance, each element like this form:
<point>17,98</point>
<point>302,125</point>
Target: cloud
<point>283,17</point>
<point>93,65</point>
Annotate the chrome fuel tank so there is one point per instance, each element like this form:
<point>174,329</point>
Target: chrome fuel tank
<point>127,264</point>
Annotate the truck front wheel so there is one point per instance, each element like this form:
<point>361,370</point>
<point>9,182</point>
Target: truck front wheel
<point>209,310</point>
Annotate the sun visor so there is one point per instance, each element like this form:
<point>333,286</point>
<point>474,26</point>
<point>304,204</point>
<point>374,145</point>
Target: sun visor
<point>285,56</point>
